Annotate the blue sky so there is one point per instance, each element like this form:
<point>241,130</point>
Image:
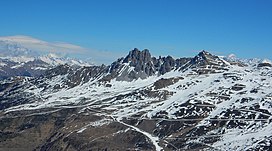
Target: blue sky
<point>165,27</point>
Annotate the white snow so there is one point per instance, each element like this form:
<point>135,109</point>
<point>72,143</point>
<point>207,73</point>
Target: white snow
<point>192,89</point>
<point>98,123</point>
<point>2,64</point>
<point>267,61</point>
<point>21,59</point>
<point>154,139</point>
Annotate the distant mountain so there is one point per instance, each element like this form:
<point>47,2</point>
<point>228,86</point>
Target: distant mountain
<point>17,60</point>
<point>140,102</point>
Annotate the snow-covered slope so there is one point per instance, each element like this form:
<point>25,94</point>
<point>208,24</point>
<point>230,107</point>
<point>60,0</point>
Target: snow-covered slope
<point>203,103</point>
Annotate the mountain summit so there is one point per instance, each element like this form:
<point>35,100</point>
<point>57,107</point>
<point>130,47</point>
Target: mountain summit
<point>136,56</point>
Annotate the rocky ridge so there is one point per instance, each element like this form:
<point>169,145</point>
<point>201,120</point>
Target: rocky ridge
<point>201,103</point>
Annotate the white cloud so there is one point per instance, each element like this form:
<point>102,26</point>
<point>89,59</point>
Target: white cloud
<point>63,49</point>
<point>43,46</point>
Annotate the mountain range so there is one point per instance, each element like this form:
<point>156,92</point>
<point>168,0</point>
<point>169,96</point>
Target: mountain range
<point>18,60</point>
<point>139,102</point>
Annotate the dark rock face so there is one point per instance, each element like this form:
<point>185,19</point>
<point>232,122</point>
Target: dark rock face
<point>204,58</point>
<point>143,65</point>
<point>167,65</point>
<point>264,65</point>
<point>162,83</point>
<point>238,87</point>
<point>137,57</point>
<point>141,61</point>
<point>59,70</point>
<point>30,69</point>
<point>75,76</point>
<point>12,94</point>
<point>85,74</point>
<point>205,63</point>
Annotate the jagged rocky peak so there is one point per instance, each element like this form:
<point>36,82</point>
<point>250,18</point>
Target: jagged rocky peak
<point>204,53</point>
<point>205,58</point>
<point>205,63</point>
<point>135,56</point>
<point>137,64</point>
<point>140,64</point>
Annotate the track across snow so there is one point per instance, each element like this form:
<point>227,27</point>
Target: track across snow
<point>154,140</point>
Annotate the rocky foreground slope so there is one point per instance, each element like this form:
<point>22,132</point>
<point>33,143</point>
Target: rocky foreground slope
<point>140,102</point>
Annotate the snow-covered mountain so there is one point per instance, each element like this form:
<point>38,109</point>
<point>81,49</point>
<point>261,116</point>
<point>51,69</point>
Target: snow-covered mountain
<point>18,60</point>
<point>140,102</point>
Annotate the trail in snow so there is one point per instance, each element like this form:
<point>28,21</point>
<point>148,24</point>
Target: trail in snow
<point>154,140</point>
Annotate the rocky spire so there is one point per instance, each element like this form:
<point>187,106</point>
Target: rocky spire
<point>136,56</point>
